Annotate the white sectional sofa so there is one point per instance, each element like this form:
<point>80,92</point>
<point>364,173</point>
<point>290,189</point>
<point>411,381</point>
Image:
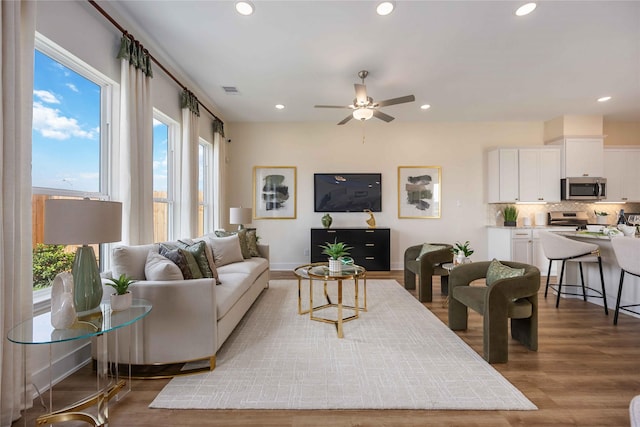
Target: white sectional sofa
<point>190,318</point>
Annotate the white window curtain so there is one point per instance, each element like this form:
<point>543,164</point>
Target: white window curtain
<point>134,158</point>
<point>17,26</point>
<point>189,165</point>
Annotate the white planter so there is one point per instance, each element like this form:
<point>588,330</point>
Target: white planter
<point>121,302</point>
<point>335,265</point>
<point>602,219</point>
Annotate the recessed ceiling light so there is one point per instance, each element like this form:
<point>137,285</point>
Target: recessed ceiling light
<point>604,99</point>
<point>244,8</point>
<point>525,9</point>
<point>384,8</point>
<point>280,106</point>
<point>425,106</point>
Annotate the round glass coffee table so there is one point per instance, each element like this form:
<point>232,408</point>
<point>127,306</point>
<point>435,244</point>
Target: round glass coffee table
<point>320,272</point>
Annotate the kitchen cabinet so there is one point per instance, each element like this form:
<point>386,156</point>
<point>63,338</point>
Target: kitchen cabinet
<point>520,245</point>
<point>503,175</point>
<point>371,247</point>
<point>622,170</point>
<point>539,174</point>
<point>581,157</point>
<point>530,174</point>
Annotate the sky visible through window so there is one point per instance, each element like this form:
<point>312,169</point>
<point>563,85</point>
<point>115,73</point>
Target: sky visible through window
<point>160,157</point>
<point>66,128</point>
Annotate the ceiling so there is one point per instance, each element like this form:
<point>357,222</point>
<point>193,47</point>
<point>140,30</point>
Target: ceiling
<point>470,60</point>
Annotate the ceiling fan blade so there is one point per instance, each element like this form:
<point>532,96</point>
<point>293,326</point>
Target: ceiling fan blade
<point>346,119</point>
<point>394,101</point>
<point>361,94</point>
<point>382,116</point>
<point>333,106</point>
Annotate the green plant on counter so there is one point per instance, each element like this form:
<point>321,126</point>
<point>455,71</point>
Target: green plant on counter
<point>465,249</point>
<point>510,213</point>
<point>601,213</point>
<point>336,249</point>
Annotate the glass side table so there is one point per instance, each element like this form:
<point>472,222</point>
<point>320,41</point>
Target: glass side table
<point>320,271</point>
<point>97,323</point>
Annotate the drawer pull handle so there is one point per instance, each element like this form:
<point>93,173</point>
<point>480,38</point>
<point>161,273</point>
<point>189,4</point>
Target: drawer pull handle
<point>369,244</point>
<point>331,231</point>
<point>370,257</point>
<point>369,231</point>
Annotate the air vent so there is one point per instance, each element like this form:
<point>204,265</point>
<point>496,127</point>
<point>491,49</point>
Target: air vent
<point>230,90</point>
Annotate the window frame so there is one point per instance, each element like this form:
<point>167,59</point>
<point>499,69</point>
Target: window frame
<point>208,185</point>
<point>173,137</point>
<point>108,90</point>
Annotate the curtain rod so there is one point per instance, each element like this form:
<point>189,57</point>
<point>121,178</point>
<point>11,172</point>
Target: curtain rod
<point>123,31</point>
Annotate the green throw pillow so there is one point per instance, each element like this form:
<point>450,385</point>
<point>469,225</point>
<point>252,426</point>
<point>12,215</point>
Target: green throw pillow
<point>427,247</point>
<point>252,242</point>
<point>178,256</point>
<point>198,250</point>
<point>498,270</point>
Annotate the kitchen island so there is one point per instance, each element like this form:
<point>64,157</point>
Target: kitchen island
<point>610,270</point>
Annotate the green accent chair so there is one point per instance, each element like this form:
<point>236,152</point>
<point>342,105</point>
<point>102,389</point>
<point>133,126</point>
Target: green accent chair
<point>514,298</point>
<point>426,266</point>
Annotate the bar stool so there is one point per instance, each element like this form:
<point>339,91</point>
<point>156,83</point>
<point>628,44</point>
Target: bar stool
<point>558,248</point>
<point>627,250</point>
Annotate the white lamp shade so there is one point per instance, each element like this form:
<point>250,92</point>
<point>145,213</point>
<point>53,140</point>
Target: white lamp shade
<point>82,221</point>
<point>363,114</point>
<point>240,215</point>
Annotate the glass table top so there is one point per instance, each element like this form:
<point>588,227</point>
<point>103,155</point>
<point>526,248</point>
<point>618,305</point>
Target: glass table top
<point>38,330</point>
<point>321,270</point>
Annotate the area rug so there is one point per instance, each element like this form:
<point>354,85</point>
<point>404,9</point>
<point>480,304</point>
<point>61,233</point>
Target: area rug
<point>397,355</point>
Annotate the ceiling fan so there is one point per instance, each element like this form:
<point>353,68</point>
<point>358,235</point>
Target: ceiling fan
<point>364,107</point>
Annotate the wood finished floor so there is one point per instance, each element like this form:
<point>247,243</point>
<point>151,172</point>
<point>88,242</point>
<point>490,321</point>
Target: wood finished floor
<point>585,373</point>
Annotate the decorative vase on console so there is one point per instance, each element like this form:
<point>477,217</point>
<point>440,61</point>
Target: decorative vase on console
<point>63,310</point>
<point>326,221</point>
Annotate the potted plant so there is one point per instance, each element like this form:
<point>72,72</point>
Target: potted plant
<point>601,217</point>
<point>510,215</point>
<point>335,251</point>
<point>462,252</point>
<point>121,300</point>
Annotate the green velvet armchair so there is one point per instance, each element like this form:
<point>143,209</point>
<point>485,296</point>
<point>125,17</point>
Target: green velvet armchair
<point>426,266</point>
<point>514,298</point>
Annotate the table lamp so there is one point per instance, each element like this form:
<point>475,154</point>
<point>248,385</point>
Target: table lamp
<point>83,222</point>
<point>240,216</point>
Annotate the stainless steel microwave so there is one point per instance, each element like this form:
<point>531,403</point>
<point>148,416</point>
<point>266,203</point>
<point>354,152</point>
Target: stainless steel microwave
<point>583,188</point>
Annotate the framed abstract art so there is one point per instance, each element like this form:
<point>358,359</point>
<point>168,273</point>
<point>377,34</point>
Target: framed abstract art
<point>274,192</point>
<point>419,191</point>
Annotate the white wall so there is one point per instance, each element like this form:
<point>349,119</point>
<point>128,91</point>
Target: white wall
<point>459,148</point>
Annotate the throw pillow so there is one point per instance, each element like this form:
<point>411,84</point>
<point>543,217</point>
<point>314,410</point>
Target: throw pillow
<point>252,242</point>
<point>179,257</point>
<point>226,250</point>
<point>197,249</point>
<point>210,259</point>
<point>498,270</point>
<point>129,260</point>
<point>428,247</point>
<point>159,267</point>
<point>242,236</point>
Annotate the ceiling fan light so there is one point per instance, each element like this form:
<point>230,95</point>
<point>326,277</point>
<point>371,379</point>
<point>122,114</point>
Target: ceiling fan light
<point>385,8</point>
<point>244,8</point>
<point>363,114</point>
<point>525,9</point>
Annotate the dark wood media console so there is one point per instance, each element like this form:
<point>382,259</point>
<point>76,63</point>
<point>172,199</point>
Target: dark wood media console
<point>371,246</point>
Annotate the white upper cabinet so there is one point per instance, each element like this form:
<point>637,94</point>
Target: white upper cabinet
<point>622,170</point>
<point>539,170</point>
<point>582,157</point>
<point>503,175</point>
<point>529,174</point>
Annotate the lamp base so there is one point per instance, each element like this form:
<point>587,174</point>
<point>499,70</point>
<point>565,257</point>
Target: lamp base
<point>87,286</point>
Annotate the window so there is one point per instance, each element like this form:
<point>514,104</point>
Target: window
<point>70,134</point>
<point>165,131</point>
<point>205,187</point>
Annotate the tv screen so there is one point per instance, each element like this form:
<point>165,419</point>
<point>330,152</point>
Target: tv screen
<point>347,192</point>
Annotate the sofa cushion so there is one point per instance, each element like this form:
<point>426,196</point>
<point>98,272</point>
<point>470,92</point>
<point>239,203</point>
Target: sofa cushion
<point>226,250</point>
<point>160,268</point>
<point>197,249</point>
<point>131,260</point>
<point>252,242</point>
<point>428,247</point>
<point>242,237</point>
<point>252,267</point>
<point>209,254</point>
<point>179,257</point>
<point>498,270</point>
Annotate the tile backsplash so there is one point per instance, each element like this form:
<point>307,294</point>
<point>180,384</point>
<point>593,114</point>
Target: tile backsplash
<point>494,211</point>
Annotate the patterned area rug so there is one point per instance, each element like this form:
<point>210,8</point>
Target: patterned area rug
<point>397,355</point>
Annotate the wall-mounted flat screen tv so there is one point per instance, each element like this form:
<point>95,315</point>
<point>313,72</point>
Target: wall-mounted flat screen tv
<point>347,192</point>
